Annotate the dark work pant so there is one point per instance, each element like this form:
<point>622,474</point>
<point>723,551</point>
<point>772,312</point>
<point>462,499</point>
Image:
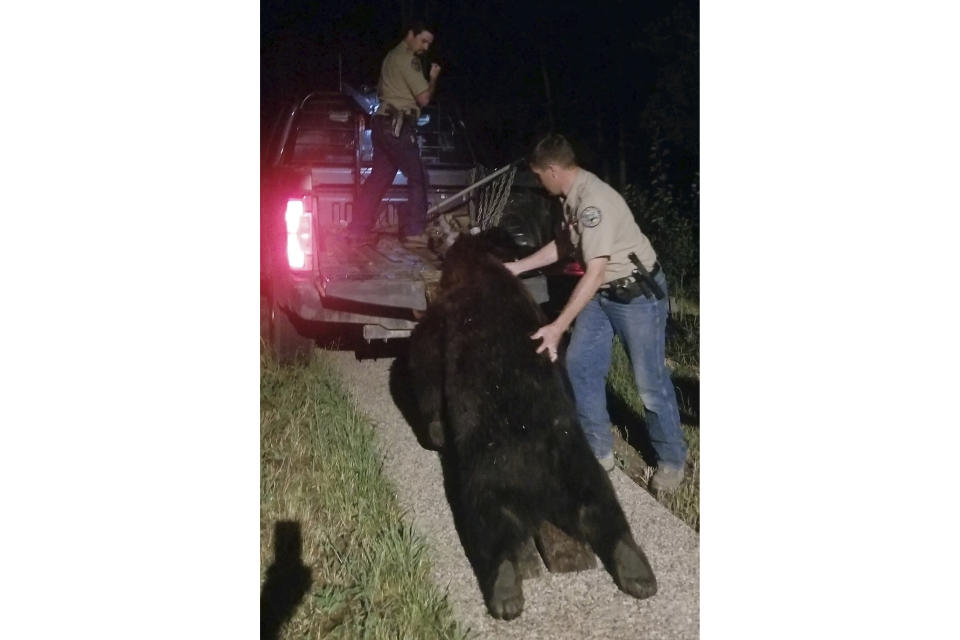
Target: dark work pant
<point>390,154</point>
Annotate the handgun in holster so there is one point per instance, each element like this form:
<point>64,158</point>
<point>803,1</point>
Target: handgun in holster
<point>644,279</point>
<point>396,123</point>
<point>625,291</point>
<point>396,119</point>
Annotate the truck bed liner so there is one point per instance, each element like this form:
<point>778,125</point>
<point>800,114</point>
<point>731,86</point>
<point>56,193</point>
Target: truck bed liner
<point>385,273</point>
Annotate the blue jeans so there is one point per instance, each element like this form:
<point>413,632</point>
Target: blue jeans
<point>390,154</point>
<point>641,326</point>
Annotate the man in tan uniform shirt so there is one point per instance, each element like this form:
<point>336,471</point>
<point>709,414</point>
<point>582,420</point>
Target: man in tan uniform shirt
<point>402,90</point>
<point>605,233</point>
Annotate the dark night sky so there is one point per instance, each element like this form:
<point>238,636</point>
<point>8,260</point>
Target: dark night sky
<point>605,62</point>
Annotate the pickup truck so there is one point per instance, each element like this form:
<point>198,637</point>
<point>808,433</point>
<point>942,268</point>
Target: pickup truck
<point>312,168</point>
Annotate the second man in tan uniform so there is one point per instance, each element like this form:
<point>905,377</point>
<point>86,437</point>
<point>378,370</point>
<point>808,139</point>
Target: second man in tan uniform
<point>403,91</point>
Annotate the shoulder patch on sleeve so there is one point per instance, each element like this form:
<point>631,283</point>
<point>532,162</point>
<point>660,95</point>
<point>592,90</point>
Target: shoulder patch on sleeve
<point>590,217</point>
<point>415,63</point>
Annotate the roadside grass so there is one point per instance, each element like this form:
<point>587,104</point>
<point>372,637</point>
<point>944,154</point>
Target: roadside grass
<point>683,358</point>
<point>363,572</point>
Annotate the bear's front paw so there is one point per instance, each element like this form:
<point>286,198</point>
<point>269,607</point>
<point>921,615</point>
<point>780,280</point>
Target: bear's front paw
<point>632,572</point>
<point>506,600</point>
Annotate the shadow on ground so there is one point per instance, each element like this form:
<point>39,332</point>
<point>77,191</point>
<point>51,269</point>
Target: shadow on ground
<point>404,398</point>
<point>688,398</point>
<point>634,426</point>
<point>288,580</point>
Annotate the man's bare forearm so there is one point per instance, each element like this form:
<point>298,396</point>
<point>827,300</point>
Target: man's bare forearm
<point>424,98</point>
<point>542,257</point>
<point>582,293</point>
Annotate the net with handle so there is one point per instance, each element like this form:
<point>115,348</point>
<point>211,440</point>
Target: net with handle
<point>492,197</point>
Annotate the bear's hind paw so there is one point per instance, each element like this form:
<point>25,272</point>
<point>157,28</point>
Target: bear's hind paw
<point>632,571</point>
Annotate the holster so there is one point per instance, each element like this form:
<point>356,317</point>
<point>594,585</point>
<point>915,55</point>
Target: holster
<point>398,119</point>
<point>626,292</point>
<point>638,283</point>
<point>396,123</point>
<point>645,278</point>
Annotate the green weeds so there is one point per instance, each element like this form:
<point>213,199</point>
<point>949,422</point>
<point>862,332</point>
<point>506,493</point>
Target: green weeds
<point>370,573</point>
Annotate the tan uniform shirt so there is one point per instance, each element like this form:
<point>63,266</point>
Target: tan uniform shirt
<point>601,224</point>
<point>401,80</point>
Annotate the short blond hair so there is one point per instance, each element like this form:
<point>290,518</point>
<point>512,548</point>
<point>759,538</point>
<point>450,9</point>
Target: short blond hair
<point>553,149</point>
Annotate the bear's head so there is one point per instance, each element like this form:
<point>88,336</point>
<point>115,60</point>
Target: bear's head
<point>471,255</point>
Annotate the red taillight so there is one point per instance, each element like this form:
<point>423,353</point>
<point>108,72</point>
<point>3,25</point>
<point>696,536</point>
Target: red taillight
<point>299,235</point>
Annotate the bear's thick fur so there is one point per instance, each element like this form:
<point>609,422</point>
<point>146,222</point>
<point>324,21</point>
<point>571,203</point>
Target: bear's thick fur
<point>506,424</point>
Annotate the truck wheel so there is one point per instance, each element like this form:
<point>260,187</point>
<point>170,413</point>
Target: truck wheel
<point>287,343</point>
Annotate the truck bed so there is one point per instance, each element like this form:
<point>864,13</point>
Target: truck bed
<point>384,274</point>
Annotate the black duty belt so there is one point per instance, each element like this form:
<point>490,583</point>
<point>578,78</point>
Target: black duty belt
<point>621,282</point>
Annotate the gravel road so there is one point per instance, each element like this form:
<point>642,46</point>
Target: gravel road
<point>573,605</point>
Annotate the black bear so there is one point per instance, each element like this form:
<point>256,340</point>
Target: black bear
<point>504,419</point>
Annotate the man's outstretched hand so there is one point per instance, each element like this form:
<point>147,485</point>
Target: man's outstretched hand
<point>550,335</point>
